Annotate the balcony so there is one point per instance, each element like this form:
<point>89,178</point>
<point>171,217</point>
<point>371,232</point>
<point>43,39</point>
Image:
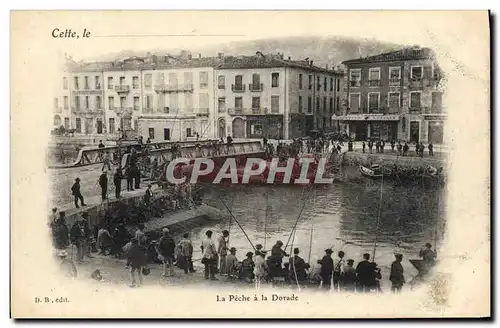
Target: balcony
<point>87,91</point>
<point>87,111</point>
<point>247,111</point>
<point>202,112</point>
<point>162,87</point>
<point>238,87</point>
<point>415,110</point>
<point>415,83</point>
<point>435,111</point>
<point>373,83</point>
<point>122,88</point>
<point>256,87</point>
<point>395,82</point>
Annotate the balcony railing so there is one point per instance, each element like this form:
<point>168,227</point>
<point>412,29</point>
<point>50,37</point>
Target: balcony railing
<point>396,82</point>
<point>122,88</point>
<point>238,87</point>
<point>248,111</point>
<point>161,87</point>
<point>97,111</point>
<point>87,91</point>
<point>415,110</point>
<point>256,87</point>
<point>374,83</point>
<point>435,111</point>
<point>202,112</point>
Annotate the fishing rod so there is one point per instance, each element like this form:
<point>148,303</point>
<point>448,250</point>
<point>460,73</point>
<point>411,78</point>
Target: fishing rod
<point>310,244</point>
<point>243,230</point>
<point>298,217</point>
<point>293,262</point>
<point>378,218</point>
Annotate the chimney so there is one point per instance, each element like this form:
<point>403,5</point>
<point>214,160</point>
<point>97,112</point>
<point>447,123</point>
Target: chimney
<point>199,55</point>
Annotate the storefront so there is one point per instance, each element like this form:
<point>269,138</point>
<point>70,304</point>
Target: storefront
<point>297,125</point>
<point>274,126</point>
<point>435,128</point>
<point>255,126</point>
<point>363,127</point>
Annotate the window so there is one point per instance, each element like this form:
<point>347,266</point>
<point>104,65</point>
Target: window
<point>255,102</point>
<point>317,104</point>
<point>222,104</point>
<point>394,74</point>
<point>148,81</point>
<point>98,103</point>
<point>174,101</point>
<point>238,83</point>
<point>160,103</point>
<point>331,84</point>
<point>160,78</point>
<point>309,104</point>
<point>355,77</point>
<point>331,104</point>
<point>437,101</point>
<point>203,80</point>
<point>221,82</point>
<point>373,101</point>
<point>188,78</point>
<point>354,102</point>
<point>112,125</point>
<point>300,104</point>
<point>338,85</point>
<point>77,102</point>
<point>122,81</point>
<point>56,103</point>
<point>110,82</point>
<point>188,102</point>
<point>66,123</point>
<point>325,84</point>
<point>78,125</point>
<point>415,100</point>
<point>65,83</point>
<point>275,104</point>
<point>135,82</point>
<point>111,102</point>
<point>172,79</point>
<point>188,132</point>
<point>151,133</point>
<point>318,85</point>
<point>238,102</point>
<point>77,86</point>
<point>394,102</point>
<point>374,77</point>
<point>203,98</point>
<point>337,103</point>
<point>300,81</point>
<point>86,82</point>
<point>310,82</point>
<point>416,72</point>
<point>66,102</point>
<point>122,102</point>
<point>255,82</point>
<point>97,80</point>
<point>324,104</point>
<point>137,105</point>
<point>275,80</point>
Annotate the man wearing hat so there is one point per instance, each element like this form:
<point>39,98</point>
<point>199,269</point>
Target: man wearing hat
<point>75,190</point>
<point>222,251</point>
<point>137,258</point>
<point>326,269</point>
<point>209,258</point>
<point>349,277</point>
<point>428,254</point>
<point>166,248</point>
<point>298,267</point>
<point>276,259</point>
<point>117,180</point>
<point>232,264</point>
<point>365,273</point>
<point>60,232</point>
<point>186,247</point>
<point>80,236</point>
<point>67,267</point>
<point>247,268</point>
<point>148,195</point>
<point>53,217</point>
<point>103,182</point>
<point>397,274</point>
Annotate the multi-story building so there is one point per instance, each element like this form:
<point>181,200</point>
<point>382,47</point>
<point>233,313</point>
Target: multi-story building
<point>394,96</point>
<point>62,97</point>
<point>266,95</point>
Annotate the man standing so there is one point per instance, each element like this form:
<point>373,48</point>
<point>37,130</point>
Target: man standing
<point>75,190</point>
<point>392,145</point>
<point>326,269</point>
<point>60,232</point>
<point>148,195</point>
<point>298,267</point>
<point>106,161</point>
<point>364,146</point>
<point>349,278</point>
<point>80,235</point>
<point>429,257</point>
<point>140,235</point>
<point>364,272</point>
<point>129,172</point>
<point>397,274</point>
<point>370,146</point>
<point>209,258</point>
<point>222,251</point>
<point>405,149</point>
<point>431,149</point>
<point>276,259</point>
<point>137,258</point>
<point>166,248</point>
<point>117,180</point>
<point>137,177</point>
<point>338,271</point>
<point>400,148</point>
<point>103,182</point>
<point>186,247</point>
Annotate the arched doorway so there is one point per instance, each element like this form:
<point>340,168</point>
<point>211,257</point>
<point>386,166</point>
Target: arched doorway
<point>238,128</point>
<point>57,121</point>
<point>221,127</point>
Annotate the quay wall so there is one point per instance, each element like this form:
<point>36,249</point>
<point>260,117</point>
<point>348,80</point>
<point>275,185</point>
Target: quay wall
<point>365,159</point>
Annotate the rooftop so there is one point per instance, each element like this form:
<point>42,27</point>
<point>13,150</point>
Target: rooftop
<point>411,53</point>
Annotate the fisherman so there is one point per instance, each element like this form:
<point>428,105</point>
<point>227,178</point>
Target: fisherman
<point>148,195</point>
<point>166,248</point>
<point>186,259</point>
<point>260,265</point>
<point>60,232</point>
<point>397,274</point>
<point>232,265</point>
<point>106,161</point>
<point>298,267</point>
<point>338,271</point>
<point>222,251</point>
<point>209,258</point>
<point>364,146</point>
<point>364,272</point>
<point>349,277</point>
<point>80,237</point>
<point>137,257</point>
<point>104,240</point>
<point>75,190</point>
<point>247,268</point>
<point>276,259</point>
<point>117,180</point>
<point>431,148</point>
<point>326,269</point>
<point>428,255</point>
<point>376,277</point>
<point>103,182</point>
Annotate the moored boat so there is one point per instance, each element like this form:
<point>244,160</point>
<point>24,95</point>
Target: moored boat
<point>373,172</point>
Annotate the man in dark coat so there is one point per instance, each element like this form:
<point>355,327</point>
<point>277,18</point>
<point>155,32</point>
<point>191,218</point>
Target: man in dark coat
<point>298,267</point>
<point>326,269</point>
<point>137,177</point>
<point>397,274</point>
<point>80,237</point>
<point>75,190</point>
<point>103,182</point>
<point>166,248</point>
<point>148,195</point>
<point>60,232</point>
<point>364,272</point>
<point>129,172</point>
<point>276,259</point>
<point>117,180</point>
<point>137,259</point>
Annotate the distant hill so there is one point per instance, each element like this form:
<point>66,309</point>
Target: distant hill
<point>328,50</point>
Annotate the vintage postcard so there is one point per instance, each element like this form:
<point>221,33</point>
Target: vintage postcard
<point>250,164</point>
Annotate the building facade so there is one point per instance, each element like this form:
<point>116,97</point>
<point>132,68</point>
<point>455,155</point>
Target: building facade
<point>268,96</point>
<point>394,96</point>
<point>62,97</point>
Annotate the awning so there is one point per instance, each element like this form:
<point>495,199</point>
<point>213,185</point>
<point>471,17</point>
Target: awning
<point>367,117</point>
